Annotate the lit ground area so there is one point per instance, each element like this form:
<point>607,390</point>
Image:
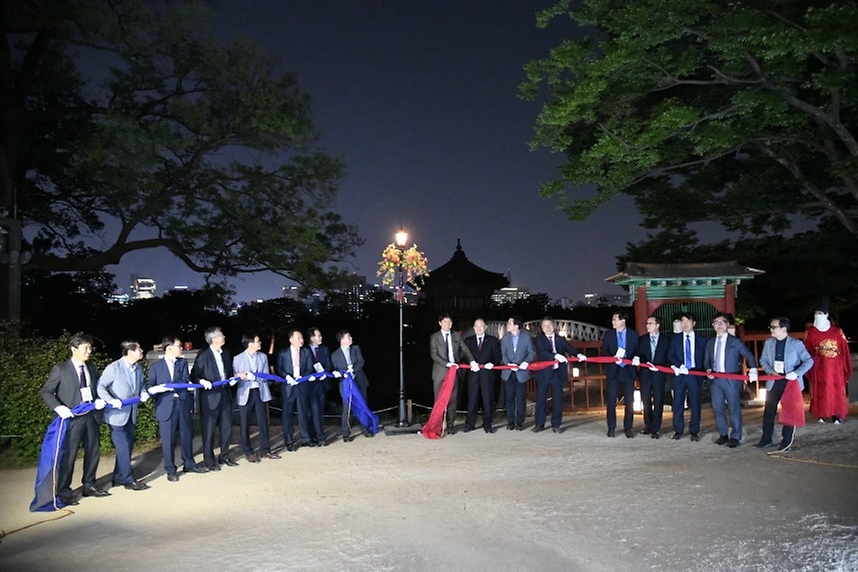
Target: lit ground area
<point>508,501</point>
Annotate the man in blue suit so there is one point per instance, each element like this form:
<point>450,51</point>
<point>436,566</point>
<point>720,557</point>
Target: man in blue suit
<point>724,354</point>
<point>652,350</point>
<point>621,343</point>
<point>687,352</point>
<point>348,357</point>
<point>293,362</point>
<point>120,380</point>
<point>252,395</point>
<point>516,350</point>
<point>318,388</point>
<point>550,347</point>
<point>173,408</point>
<point>215,363</point>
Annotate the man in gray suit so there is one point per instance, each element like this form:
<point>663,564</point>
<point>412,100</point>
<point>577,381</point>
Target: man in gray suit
<point>447,348</point>
<point>349,358</point>
<point>252,394</point>
<point>123,379</point>
<point>516,350</point>
<point>69,384</point>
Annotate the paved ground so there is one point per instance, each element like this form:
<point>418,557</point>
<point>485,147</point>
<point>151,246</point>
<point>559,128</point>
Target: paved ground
<point>508,501</point>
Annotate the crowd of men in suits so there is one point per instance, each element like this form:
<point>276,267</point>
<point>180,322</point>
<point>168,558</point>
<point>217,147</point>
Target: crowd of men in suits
<point>76,381</point>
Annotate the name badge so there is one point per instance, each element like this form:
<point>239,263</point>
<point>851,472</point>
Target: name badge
<point>86,393</point>
<point>621,353</point>
<point>779,367</point>
<point>318,367</point>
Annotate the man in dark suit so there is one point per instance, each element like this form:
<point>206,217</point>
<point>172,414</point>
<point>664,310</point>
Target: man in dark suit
<point>447,348</point>
<point>318,389</point>
<point>481,383</point>
<point>622,343</point>
<point>293,362</point>
<point>516,350</point>
<point>724,354</point>
<point>173,408</point>
<point>686,352</point>
<point>215,363</point>
<point>69,384</point>
<point>348,357</point>
<point>551,347</point>
<point>652,350</point>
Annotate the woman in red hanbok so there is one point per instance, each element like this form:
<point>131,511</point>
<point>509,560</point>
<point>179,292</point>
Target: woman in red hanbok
<point>832,367</point>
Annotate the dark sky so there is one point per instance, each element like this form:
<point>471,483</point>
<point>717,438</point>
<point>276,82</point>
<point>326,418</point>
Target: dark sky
<point>420,100</point>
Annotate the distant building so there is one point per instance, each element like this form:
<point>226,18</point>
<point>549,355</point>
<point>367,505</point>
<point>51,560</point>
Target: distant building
<point>119,297</point>
<point>142,288</point>
<point>594,300</point>
<point>291,292</point>
<point>509,295</point>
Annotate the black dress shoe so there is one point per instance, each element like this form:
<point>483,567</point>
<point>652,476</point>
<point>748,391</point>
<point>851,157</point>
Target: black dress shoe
<point>611,432</point>
<point>695,437</point>
<point>677,436</point>
<point>135,486</point>
<point>69,501</point>
<point>629,434</point>
<point>519,427</point>
<point>490,429</point>
<point>95,492</point>
<point>214,467</point>
<point>556,430</point>
<point>510,426</point>
<point>173,477</point>
<point>368,435</point>
<point>538,428</point>
<point>467,429</point>
<point>764,444</point>
<point>645,432</point>
<point>348,438</point>
<point>229,462</point>
<point>197,469</point>
<point>733,443</point>
<point>655,435</point>
<point>270,455</point>
<point>251,458</point>
<point>722,440</point>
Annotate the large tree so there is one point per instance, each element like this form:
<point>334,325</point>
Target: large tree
<point>129,125</point>
<point>742,113</point>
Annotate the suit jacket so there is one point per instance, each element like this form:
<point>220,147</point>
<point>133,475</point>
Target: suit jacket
<point>542,347</point>
<point>796,358</point>
<point>734,351</point>
<point>676,350</point>
<point>522,352</point>
<point>245,363</point>
<point>325,360</point>
<point>63,386</point>
<point>338,358</point>
<point>284,364</point>
<point>438,351</point>
<point>646,355</point>
<point>159,374</point>
<point>120,382</point>
<point>205,367</point>
<point>610,345</point>
<point>489,353</point>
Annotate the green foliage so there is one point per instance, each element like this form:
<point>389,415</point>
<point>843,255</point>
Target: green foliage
<point>740,113</point>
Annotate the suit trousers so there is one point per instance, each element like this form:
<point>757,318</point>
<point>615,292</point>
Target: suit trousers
<point>516,400</point>
<point>219,418</point>
<point>692,386</point>
<point>555,383</point>
<point>254,404</point>
<point>481,386</point>
<point>179,421</point>
<point>347,410</point>
<point>616,387</point>
<point>773,397</point>
<point>727,392</point>
<point>308,410</point>
<point>652,399</point>
<point>82,429</point>
<point>290,401</point>
<point>454,398</point>
<point>123,441</point>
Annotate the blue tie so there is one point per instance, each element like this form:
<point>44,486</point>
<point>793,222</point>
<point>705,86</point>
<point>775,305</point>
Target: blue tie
<point>688,351</point>
<point>621,341</point>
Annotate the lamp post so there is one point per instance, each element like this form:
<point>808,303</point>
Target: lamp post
<point>401,240</point>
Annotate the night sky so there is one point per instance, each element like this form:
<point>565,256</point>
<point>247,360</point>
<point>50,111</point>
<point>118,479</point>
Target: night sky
<point>420,100</point>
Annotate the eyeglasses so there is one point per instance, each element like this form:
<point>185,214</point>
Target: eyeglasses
<point>775,327</point>
<point>720,322</point>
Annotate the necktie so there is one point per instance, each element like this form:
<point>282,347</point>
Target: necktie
<point>621,342</point>
<point>82,377</point>
<point>316,353</point>
<point>718,350</point>
<point>652,344</point>
<point>348,356</point>
<point>688,351</point>
<point>551,338</point>
<point>449,348</point>
<point>479,344</point>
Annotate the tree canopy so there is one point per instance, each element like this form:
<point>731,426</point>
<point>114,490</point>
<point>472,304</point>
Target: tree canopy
<point>129,125</point>
<point>743,113</point>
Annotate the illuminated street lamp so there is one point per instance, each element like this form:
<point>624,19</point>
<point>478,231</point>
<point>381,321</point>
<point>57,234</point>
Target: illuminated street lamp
<point>401,240</point>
